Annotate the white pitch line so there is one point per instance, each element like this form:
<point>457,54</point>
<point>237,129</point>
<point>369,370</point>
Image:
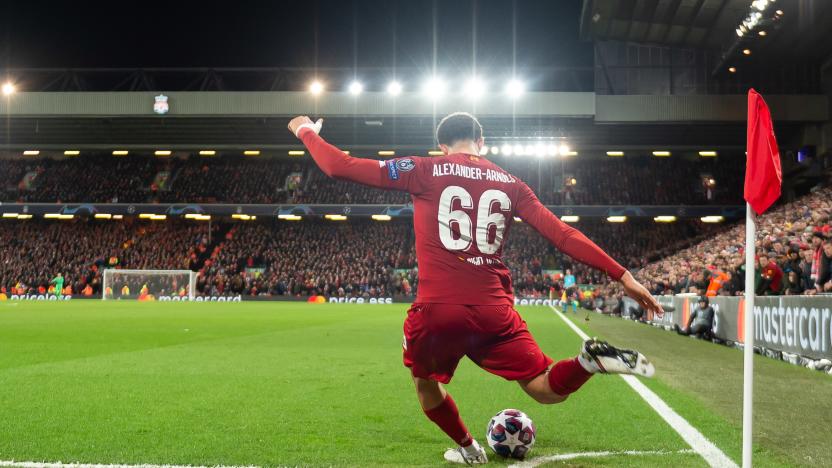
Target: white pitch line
<point>697,441</point>
<point>31,464</point>
<point>537,461</point>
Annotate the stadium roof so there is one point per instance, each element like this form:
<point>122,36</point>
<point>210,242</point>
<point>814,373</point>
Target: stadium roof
<point>801,33</point>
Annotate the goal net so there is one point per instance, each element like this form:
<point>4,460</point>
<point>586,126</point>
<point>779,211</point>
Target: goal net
<point>148,284</point>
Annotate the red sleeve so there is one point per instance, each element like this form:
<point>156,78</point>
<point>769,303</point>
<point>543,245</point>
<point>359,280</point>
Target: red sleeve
<point>394,174</point>
<point>566,238</point>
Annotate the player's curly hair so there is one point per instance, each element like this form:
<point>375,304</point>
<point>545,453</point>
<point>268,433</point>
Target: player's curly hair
<point>459,126</point>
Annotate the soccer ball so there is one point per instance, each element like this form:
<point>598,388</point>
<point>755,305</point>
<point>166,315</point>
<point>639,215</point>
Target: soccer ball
<point>511,434</point>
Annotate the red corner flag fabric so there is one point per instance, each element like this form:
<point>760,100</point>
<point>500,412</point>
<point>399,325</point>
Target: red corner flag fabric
<point>763,175</point>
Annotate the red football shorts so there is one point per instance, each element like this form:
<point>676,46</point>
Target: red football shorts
<point>437,336</point>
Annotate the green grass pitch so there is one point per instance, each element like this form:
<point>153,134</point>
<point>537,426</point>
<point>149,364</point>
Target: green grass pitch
<point>318,385</point>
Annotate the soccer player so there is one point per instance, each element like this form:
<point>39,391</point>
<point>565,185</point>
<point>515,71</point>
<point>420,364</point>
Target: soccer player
<point>463,208</point>
<point>58,281</point>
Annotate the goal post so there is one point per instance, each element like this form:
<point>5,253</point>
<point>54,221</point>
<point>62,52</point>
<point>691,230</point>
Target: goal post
<point>148,284</point>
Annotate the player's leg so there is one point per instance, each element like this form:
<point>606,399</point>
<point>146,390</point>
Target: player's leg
<point>440,408</point>
<point>558,382</point>
<point>514,355</point>
<point>432,351</point>
<point>596,357</point>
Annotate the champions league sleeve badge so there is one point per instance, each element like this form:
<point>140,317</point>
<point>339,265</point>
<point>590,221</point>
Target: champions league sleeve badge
<point>405,164</point>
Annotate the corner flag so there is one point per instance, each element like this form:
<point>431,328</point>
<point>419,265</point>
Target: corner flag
<point>763,177</point>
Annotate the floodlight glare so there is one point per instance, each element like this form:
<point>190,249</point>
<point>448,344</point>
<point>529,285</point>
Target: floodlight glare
<point>394,88</point>
<point>515,88</point>
<point>474,88</point>
<point>552,150</point>
<point>434,88</point>
<point>564,149</point>
<point>8,89</point>
<point>356,88</point>
<point>506,150</point>
<point>495,150</point>
<point>484,150</point>
<point>316,87</point>
<point>518,150</point>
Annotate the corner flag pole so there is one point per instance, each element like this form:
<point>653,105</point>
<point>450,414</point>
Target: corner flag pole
<point>748,327</point>
<point>763,180</point>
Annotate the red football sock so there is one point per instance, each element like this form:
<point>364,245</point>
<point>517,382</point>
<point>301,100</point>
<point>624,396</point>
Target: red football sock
<point>567,376</point>
<point>446,416</point>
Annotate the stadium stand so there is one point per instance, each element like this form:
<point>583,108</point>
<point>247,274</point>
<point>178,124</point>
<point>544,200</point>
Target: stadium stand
<point>36,251</point>
<point>293,259</point>
<point>238,179</point>
<point>794,238</point>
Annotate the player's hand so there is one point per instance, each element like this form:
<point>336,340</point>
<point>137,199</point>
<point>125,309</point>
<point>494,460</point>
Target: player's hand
<point>640,294</point>
<point>302,121</point>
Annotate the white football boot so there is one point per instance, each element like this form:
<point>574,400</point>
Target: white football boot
<point>473,454</point>
<point>601,357</point>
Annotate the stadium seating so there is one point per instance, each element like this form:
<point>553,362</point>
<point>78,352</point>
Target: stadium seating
<point>784,235</point>
<point>239,179</point>
<point>355,258</point>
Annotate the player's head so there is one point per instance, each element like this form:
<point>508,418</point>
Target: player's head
<point>456,128</point>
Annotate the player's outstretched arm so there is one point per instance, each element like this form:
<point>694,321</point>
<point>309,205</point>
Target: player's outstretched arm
<point>575,244</point>
<point>334,162</point>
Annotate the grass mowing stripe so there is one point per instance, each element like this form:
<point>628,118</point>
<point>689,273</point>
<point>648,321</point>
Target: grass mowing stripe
<point>704,447</point>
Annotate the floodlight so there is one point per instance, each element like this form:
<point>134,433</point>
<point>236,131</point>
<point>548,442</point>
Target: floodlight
<point>394,88</point>
<point>316,87</point>
<point>434,88</point>
<point>474,88</point>
<point>515,88</point>
<point>356,88</point>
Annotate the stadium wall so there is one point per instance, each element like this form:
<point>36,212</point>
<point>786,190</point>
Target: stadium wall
<point>799,325</point>
<point>602,108</point>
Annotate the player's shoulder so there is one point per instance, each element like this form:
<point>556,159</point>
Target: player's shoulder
<point>508,175</point>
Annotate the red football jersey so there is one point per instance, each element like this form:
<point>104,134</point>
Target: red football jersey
<point>464,206</point>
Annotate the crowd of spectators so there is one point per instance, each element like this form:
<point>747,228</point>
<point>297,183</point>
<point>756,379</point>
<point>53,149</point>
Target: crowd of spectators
<point>233,180</point>
<point>648,181</point>
<point>96,178</point>
<point>241,179</point>
<point>35,252</point>
<point>350,259</point>
<point>634,244</point>
<point>305,259</point>
<point>794,255</point>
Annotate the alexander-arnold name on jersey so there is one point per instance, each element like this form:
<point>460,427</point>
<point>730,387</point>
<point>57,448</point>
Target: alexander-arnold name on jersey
<point>473,173</point>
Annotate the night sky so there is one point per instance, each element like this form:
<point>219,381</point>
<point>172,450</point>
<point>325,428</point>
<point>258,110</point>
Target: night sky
<point>325,33</point>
